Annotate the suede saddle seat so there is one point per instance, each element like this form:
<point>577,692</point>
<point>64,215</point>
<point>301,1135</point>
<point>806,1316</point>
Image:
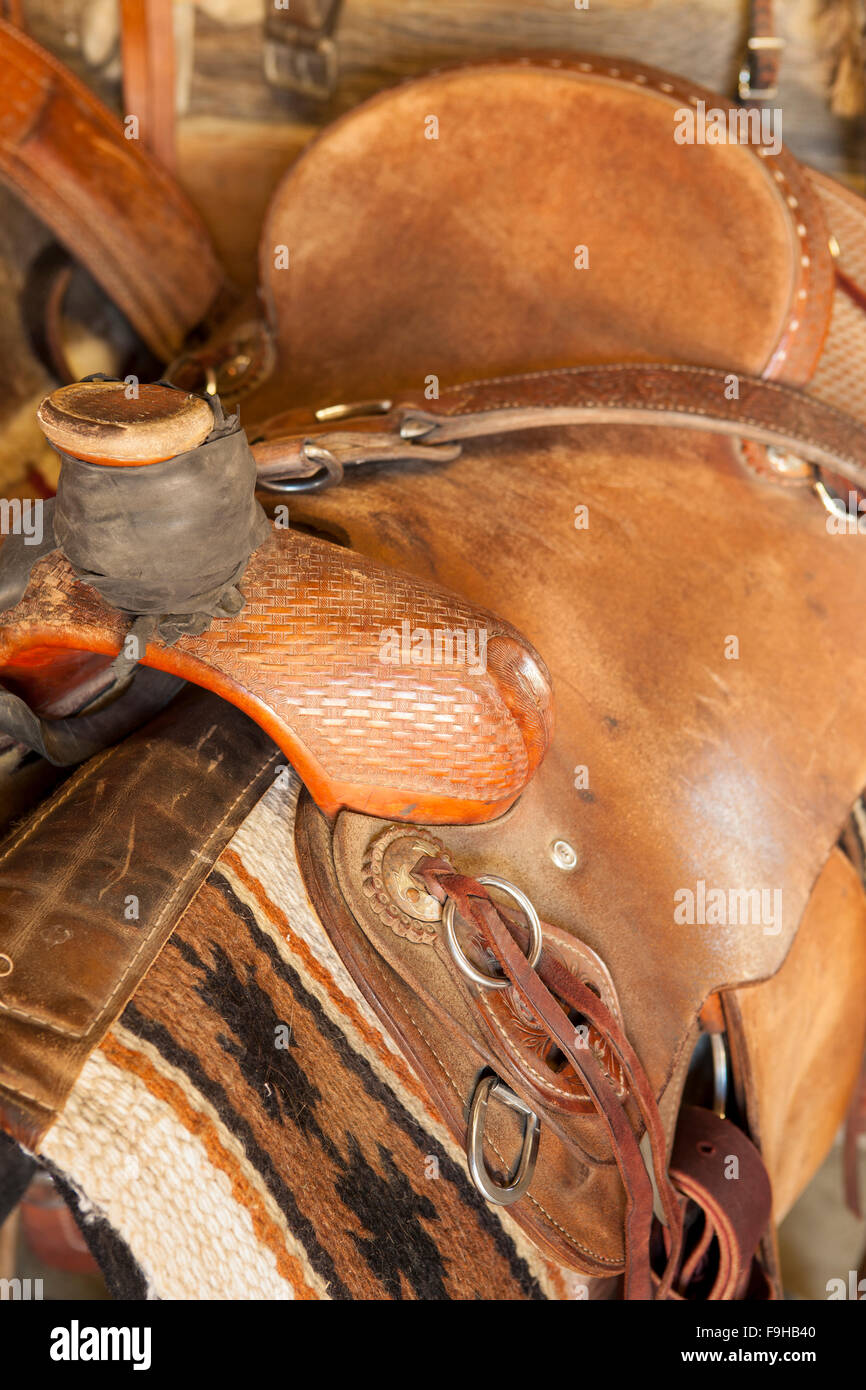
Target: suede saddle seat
<point>599,327</point>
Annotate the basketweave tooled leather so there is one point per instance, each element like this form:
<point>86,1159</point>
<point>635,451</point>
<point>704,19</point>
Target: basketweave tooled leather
<point>303,658</point>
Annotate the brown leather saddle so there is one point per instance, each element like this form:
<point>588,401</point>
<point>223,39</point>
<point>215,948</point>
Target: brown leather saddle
<point>587,377</point>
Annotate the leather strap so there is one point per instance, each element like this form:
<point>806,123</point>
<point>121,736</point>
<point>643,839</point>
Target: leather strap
<point>675,397</point>
<point>541,988</point>
<point>300,55</point>
<point>112,206</point>
<point>153,815</point>
<point>714,1164</point>
<point>147,48</point>
<point>759,76</point>
<point>855,1127</point>
<point>718,1167</point>
<point>13,12</point>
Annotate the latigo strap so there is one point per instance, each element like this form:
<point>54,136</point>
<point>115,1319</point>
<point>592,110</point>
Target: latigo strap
<point>675,397</point>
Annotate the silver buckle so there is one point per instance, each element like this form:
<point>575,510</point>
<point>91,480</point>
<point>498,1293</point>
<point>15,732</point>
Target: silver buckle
<point>503,1196</point>
<point>295,63</point>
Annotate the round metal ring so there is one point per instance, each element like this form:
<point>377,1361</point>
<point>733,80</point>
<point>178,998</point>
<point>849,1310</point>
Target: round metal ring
<point>461,959</point>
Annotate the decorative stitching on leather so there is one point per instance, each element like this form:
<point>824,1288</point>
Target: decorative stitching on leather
<point>527,1066</point>
<point>270,757</point>
<point>17,1093</point>
<point>72,785</point>
<point>813,405</point>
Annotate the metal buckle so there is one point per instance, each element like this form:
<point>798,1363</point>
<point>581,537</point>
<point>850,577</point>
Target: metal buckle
<point>758,43</point>
<point>462,961</point>
<point>831,501</point>
<point>329,475</point>
<point>328,413</point>
<point>720,1073</point>
<point>488,1086</point>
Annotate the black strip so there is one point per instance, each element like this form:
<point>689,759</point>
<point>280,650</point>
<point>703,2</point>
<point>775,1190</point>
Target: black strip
<point>16,1170</point>
<point>124,1277</point>
<point>160,1038</point>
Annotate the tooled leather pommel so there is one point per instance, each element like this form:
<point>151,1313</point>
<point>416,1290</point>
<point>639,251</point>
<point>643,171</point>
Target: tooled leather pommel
<point>388,694</point>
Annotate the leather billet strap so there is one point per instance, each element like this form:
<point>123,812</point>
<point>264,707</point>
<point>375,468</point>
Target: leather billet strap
<point>673,397</point>
<point>717,1167</point>
<point>116,210</point>
<point>94,882</point>
<point>147,48</point>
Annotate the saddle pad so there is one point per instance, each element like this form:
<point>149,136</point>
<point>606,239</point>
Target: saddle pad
<point>245,1129</point>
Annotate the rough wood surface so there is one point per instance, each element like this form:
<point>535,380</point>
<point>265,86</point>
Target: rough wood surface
<point>384,41</point>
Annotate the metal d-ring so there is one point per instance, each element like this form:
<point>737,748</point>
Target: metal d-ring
<point>720,1073</point>
<point>329,475</point>
<point>461,959</point>
<point>488,1086</point>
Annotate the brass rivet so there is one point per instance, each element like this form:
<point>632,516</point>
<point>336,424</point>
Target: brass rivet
<point>6,965</point>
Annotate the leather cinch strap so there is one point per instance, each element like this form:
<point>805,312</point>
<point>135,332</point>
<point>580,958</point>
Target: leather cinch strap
<point>675,397</point>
